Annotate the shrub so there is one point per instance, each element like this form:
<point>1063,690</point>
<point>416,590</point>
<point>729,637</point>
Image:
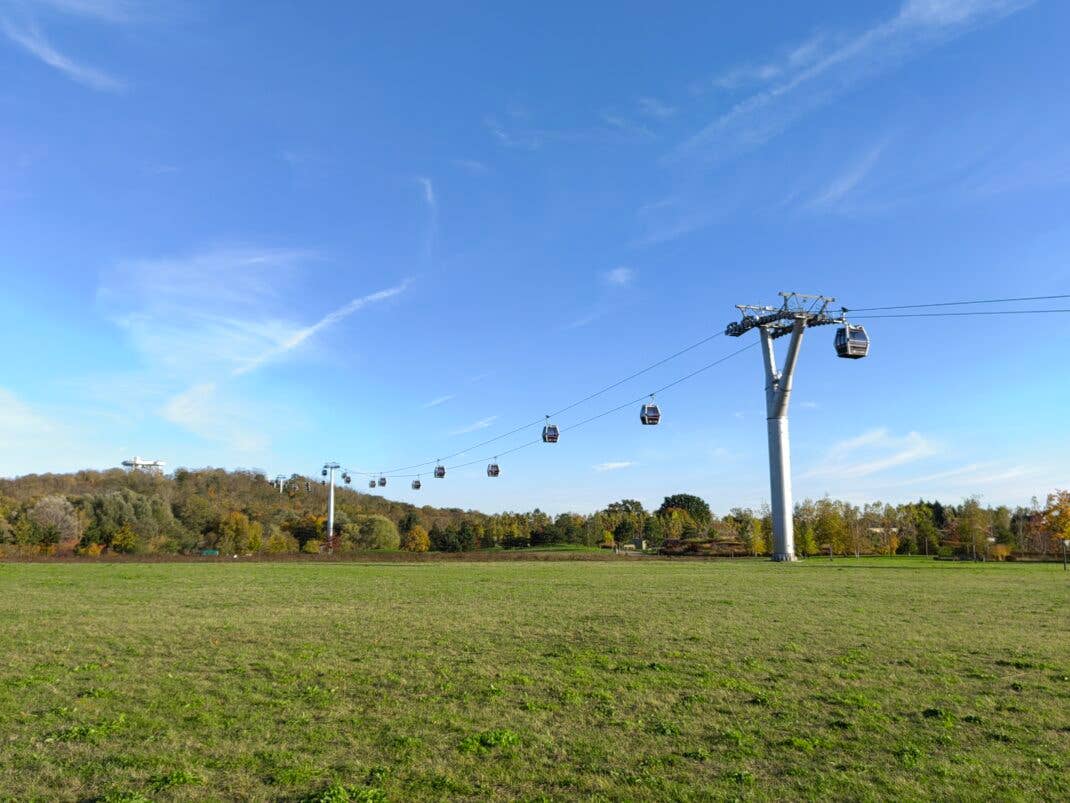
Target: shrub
<point>124,540</point>
<point>279,542</point>
<point>416,539</point>
<point>377,532</point>
<point>312,546</point>
<point>999,551</point>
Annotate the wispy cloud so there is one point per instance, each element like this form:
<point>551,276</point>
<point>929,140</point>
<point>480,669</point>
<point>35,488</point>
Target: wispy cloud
<point>31,440</point>
<point>429,192</point>
<point>513,137</point>
<point>328,320</point>
<point>792,59</point>
<point>517,131</point>
<point>218,312</point>
<point>620,277</point>
<point>614,465</point>
<point>626,126</point>
<point>209,312</point>
<point>583,320</point>
<point>33,41</point>
<point>472,165</point>
<point>971,475</point>
<point>202,411</point>
<point>870,453</point>
<point>482,423</point>
<point>103,10</point>
<point>652,107</point>
<point>819,74</point>
<point>837,190</point>
<point>18,419</point>
<point>438,401</point>
<point>671,218</point>
<point>428,188</point>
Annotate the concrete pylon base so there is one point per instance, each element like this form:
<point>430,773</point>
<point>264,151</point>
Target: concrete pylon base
<point>784,557</point>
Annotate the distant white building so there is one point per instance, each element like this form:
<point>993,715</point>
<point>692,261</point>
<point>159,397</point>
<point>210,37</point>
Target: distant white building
<point>148,466</point>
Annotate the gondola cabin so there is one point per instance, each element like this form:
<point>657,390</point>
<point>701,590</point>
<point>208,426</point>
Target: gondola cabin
<point>382,482</point>
<point>416,485</point>
<point>371,483</point>
<point>852,342</point>
<point>650,414</point>
<point>493,470</point>
<point>440,472</point>
<point>550,433</point>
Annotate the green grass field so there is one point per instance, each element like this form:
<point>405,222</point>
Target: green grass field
<point>632,679</point>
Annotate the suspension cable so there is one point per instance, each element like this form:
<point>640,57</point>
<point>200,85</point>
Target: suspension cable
<point>541,419</point>
<point>603,414</point>
<point>439,461</point>
<point>956,314</point>
<point>960,303</point>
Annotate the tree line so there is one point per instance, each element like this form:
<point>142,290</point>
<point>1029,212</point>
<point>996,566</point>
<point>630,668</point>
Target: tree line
<point>242,513</point>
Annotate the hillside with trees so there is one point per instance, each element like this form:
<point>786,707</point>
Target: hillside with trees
<point>212,511</point>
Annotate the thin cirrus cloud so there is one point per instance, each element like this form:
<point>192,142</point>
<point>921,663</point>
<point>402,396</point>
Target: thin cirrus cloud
<point>870,453</point>
<point>31,440</point>
<point>835,193</point>
<point>330,319</point>
<point>614,465</point>
<point>33,41</point>
<point>202,410</point>
<point>472,165</point>
<point>103,10</point>
<point>482,423</point>
<point>437,401</point>
<point>205,319</point>
<point>652,107</point>
<point>620,277</point>
<point>218,312</point>
<point>822,69</point>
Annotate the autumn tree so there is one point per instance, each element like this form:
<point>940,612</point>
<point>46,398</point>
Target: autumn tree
<point>415,539</point>
<point>56,522</point>
<point>1055,519</point>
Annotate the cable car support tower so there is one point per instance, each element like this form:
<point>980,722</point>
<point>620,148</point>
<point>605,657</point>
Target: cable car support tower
<point>797,313</point>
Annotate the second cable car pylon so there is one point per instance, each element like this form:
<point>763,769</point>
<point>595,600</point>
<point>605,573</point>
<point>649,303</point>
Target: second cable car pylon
<point>796,313</point>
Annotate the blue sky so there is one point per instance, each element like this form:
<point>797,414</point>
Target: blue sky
<point>269,235</point>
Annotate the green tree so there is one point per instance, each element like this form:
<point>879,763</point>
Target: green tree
<point>755,539</point>
<point>806,543</point>
<point>278,542</point>
<point>695,507</point>
<point>972,527</point>
<point>378,532</point>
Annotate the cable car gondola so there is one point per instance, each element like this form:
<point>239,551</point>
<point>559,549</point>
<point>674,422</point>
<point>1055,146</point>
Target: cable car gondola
<point>323,473</point>
<point>347,478</point>
<point>382,482</point>
<point>493,470</point>
<point>550,433</point>
<point>650,413</point>
<point>416,485</point>
<point>371,483</point>
<point>852,342</point>
<point>440,472</point>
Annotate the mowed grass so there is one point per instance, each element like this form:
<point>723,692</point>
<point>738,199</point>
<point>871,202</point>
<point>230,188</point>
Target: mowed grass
<point>632,680</point>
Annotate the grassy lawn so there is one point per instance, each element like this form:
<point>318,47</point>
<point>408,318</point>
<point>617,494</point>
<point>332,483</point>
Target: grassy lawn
<point>611,680</point>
